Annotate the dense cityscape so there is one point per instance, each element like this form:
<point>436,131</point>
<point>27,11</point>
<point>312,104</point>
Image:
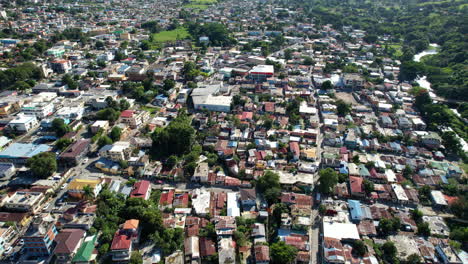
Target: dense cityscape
<point>220,131</point>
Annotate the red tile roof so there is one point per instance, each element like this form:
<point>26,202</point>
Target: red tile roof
<point>356,184</point>
<point>166,198</point>
<point>121,241</point>
<point>262,253</point>
<point>207,247</point>
<point>140,189</point>
<point>127,113</point>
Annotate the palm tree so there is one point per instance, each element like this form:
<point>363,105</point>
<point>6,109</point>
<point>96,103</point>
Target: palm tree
<point>88,192</point>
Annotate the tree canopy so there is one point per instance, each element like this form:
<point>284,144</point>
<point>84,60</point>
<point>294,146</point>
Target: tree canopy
<point>176,138</point>
<point>43,164</point>
<point>281,253</point>
<point>328,178</point>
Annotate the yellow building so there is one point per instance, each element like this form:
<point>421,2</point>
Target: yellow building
<point>75,188</point>
<point>309,154</point>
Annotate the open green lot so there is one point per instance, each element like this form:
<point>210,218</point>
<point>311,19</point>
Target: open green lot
<point>171,35</point>
<point>200,4</point>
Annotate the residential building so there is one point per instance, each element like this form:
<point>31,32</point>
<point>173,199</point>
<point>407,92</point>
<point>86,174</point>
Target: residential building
<point>23,123</point>
<point>24,201</point>
<point>39,238</point>
<point>141,189</point>
<point>118,151</point>
<point>121,247</point>
<point>68,242</point>
<point>60,66</point>
<point>76,186</point>
<point>260,73</point>
<point>134,119</point>
<point>86,254</point>
<point>75,153</point>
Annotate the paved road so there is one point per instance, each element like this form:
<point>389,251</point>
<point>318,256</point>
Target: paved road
<point>314,237</point>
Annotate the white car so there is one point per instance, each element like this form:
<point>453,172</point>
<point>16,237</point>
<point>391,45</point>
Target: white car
<point>85,160</point>
<point>7,251</point>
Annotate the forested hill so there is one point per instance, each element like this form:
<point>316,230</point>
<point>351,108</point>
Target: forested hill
<point>410,26</point>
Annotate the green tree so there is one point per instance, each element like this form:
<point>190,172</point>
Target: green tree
<point>190,71</point>
<point>68,80</point>
<point>423,229</point>
<point>104,140</point>
<point>368,186</point>
<point>281,253</point>
<point>123,105</point>
<point>269,185</point>
<point>359,248</point>
<point>413,259</point>
<point>389,252</point>
<point>43,164</point>
<point>171,161</point>
<point>109,114</point>
<point>460,208</point>
<point>168,84</point>
<point>417,215</point>
<point>115,133</point>
<point>328,178</point>
<point>342,108</point>
<point>63,143</point>
<point>59,127</point>
<point>176,138</point>
<point>88,192</point>
<point>327,85</point>
<point>136,258</point>
<point>451,142</point>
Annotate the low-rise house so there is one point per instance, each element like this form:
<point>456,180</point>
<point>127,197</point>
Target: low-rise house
<point>24,201</point>
<point>76,187</point>
<point>201,173</point>
<point>86,254</point>
<point>355,186</point>
<point>23,123</point>
<point>141,189</point>
<point>134,119</point>
<point>75,153</point>
<point>201,201</point>
<point>121,247</point>
<point>248,198</point>
<point>192,250</point>
<point>19,153</point>
<point>68,242</point>
<point>100,125</point>
<point>120,150</point>
<point>262,254</point>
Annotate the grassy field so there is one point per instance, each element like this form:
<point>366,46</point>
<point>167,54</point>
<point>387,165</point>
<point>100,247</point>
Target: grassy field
<point>200,4</point>
<point>397,47</point>
<point>171,35</point>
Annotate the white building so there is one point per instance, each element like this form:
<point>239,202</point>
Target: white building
<point>38,109</point>
<point>120,150</point>
<point>74,113</point>
<point>233,205</point>
<point>213,103</point>
<point>201,201</point>
<point>24,201</point>
<point>23,123</point>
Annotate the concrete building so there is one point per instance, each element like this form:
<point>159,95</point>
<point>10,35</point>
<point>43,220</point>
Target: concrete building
<point>23,123</point>
<point>120,150</point>
<point>39,238</point>
<point>219,103</point>
<point>19,153</point>
<point>24,201</point>
<point>260,73</point>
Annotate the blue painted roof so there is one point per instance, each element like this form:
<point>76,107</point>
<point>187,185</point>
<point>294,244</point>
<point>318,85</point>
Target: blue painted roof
<point>355,209</point>
<point>21,150</point>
